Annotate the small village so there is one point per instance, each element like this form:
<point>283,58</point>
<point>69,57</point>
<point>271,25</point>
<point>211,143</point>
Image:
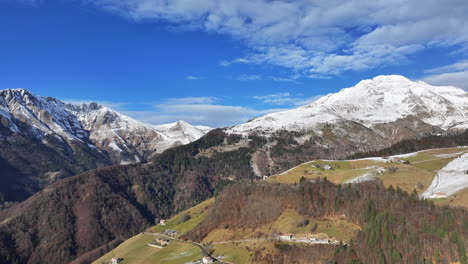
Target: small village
<point>163,239</point>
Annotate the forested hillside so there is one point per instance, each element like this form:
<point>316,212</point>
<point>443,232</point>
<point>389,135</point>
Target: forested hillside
<point>397,227</point>
<point>77,215</point>
<point>84,212</point>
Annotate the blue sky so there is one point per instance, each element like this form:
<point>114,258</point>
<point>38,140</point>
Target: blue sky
<point>222,62</point>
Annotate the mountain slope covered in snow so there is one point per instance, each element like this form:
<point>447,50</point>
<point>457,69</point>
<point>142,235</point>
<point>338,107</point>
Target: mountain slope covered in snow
<point>381,100</point>
<point>123,138</point>
<point>372,115</point>
<point>44,139</point>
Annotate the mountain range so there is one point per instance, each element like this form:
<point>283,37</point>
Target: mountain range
<point>72,139</point>
<point>76,217</point>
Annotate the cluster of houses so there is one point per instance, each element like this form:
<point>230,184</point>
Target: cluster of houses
<point>323,167</point>
<point>395,160</point>
<point>161,241</point>
<point>171,233</point>
<point>379,170</point>
<point>290,237</point>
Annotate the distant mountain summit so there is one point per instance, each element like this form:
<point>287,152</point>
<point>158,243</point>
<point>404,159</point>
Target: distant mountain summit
<point>381,100</point>
<point>180,133</point>
<point>70,138</point>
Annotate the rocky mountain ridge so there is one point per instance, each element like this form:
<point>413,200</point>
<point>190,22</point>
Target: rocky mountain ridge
<point>43,140</point>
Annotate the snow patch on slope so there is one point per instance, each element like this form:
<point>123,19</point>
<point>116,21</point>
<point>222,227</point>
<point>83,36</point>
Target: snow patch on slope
<point>451,179</point>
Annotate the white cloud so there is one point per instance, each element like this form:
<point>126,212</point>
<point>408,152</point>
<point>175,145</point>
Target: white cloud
<point>317,38</point>
<point>286,99</point>
<point>251,77</point>
<point>192,100</point>
<point>193,78</point>
<point>455,74</point>
<point>204,110</point>
<point>254,77</point>
<point>195,110</point>
<point>198,111</point>
<point>458,66</point>
<point>457,79</point>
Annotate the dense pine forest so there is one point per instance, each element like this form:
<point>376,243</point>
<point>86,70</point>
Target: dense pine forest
<point>82,215</point>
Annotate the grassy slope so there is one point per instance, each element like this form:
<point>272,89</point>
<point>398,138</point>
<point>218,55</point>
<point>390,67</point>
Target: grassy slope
<point>333,228</point>
<point>136,251</point>
<point>458,199</point>
<point>329,227</point>
<point>421,171</point>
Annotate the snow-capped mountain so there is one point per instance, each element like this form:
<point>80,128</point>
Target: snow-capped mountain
<point>370,116</point>
<point>43,140</point>
<point>180,133</point>
<point>381,100</point>
<point>121,137</point>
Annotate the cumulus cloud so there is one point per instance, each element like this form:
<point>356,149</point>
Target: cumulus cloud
<point>318,38</point>
<point>455,74</point>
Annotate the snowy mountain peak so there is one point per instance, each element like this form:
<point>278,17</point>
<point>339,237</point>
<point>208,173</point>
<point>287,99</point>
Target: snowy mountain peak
<point>388,78</point>
<point>383,99</point>
<point>123,138</point>
<point>181,132</point>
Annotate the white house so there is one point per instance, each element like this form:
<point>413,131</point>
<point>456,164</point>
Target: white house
<point>115,260</point>
<point>207,260</point>
<point>287,237</point>
<point>171,233</point>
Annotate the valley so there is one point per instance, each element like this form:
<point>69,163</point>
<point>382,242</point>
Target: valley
<point>283,187</point>
<point>233,132</point>
<point>241,244</point>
